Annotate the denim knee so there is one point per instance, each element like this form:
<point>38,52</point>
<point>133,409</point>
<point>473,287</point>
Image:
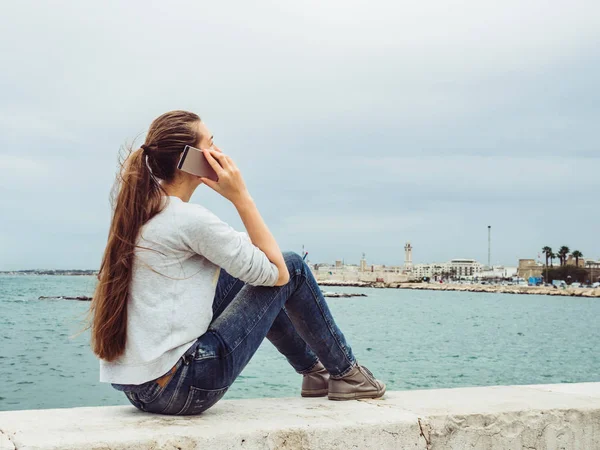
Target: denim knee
<point>294,262</point>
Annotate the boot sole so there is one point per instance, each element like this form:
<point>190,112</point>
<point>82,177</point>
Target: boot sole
<point>315,393</point>
<point>355,395</point>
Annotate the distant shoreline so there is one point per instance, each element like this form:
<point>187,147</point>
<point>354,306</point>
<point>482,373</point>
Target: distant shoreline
<point>498,289</point>
<point>50,272</point>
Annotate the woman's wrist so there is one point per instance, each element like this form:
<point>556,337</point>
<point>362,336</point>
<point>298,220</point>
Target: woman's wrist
<point>242,200</point>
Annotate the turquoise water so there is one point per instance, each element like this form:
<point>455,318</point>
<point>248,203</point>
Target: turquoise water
<point>410,339</point>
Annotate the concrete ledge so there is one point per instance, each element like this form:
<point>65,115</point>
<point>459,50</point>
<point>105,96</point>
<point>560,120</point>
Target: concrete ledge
<point>558,416</point>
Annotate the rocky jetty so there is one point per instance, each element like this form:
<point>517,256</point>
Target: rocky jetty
<point>342,294</point>
<point>346,283</point>
<point>500,289</point>
<point>325,294</point>
<point>492,288</point>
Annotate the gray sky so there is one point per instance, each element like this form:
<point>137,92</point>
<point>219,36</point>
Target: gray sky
<point>357,125</point>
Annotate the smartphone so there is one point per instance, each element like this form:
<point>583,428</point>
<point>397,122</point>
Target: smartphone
<point>193,161</point>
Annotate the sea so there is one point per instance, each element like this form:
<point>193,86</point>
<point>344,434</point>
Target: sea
<point>409,339</point>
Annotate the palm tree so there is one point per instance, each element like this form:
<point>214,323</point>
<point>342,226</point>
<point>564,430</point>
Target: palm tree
<point>552,256</point>
<point>577,254</point>
<point>547,251</point>
<point>562,254</point>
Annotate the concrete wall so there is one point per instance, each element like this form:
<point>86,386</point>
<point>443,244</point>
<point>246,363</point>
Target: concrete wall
<point>357,276</point>
<point>559,416</point>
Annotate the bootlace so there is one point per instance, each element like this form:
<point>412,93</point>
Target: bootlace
<point>369,372</point>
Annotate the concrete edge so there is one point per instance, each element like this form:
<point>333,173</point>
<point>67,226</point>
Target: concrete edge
<point>5,442</point>
<point>524,416</point>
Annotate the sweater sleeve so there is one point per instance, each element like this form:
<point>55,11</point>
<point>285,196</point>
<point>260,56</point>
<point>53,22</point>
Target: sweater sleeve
<point>207,235</point>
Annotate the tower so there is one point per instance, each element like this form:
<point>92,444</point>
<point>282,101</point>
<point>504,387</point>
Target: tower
<point>363,263</point>
<point>408,256</point>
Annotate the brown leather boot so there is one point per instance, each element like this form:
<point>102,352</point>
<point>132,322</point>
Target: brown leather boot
<point>316,382</point>
<point>358,383</point>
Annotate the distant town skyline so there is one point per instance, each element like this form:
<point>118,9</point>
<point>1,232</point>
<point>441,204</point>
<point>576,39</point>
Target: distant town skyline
<point>332,262</point>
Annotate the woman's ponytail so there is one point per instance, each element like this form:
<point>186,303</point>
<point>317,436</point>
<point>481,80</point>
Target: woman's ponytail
<point>136,197</point>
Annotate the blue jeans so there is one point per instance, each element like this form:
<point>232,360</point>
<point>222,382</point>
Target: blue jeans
<point>294,317</point>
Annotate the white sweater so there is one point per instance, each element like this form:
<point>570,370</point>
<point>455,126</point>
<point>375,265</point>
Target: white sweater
<point>172,289</point>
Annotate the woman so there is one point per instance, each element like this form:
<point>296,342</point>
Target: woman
<point>184,300</point>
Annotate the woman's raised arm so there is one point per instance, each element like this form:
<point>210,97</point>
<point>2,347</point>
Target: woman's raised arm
<point>231,186</point>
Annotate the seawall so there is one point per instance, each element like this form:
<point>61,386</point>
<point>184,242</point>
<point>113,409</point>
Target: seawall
<point>536,290</point>
<point>556,416</point>
<point>499,289</point>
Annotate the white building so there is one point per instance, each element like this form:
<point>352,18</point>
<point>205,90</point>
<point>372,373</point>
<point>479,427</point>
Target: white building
<point>429,270</point>
<point>455,268</point>
<point>464,267</point>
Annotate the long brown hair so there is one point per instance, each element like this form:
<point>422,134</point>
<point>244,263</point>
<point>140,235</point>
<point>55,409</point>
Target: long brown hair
<point>136,197</point>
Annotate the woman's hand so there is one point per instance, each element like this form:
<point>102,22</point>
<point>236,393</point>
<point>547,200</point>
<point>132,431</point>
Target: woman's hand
<point>231,184</point>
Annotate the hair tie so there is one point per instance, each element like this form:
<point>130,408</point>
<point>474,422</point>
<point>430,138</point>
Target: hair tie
<point>147,149</point>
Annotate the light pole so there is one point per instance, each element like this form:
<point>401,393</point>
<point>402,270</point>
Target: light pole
<point>489,246</point>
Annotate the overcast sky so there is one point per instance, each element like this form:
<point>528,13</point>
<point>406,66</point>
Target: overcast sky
<point>358,126</point>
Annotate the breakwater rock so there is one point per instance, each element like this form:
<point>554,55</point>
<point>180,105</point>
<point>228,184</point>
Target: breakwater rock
<point>347,283</point>
<point>342,294</point>
<point>325,294</point>
<point>62,297</point>
<point>500,289</point>
<point>491,288</point>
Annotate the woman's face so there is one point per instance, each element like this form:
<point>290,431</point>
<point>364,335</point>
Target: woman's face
<point>207,138</point>
<point>206,142</point>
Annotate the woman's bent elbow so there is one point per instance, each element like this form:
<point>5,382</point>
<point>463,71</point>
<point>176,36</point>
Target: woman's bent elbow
<point>284,277</point>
